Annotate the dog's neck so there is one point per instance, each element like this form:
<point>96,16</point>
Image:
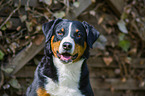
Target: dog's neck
<point>68,74</point>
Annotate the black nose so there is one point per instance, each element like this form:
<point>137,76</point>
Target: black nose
<point>67,46</point>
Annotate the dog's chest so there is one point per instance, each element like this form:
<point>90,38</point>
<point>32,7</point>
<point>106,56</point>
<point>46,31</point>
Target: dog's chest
<point>68,81</point>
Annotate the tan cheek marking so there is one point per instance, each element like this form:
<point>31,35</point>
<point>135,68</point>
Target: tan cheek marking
<point>54,46</point>
<point>42,92</point>
<point>80,50</point>
<point>77,30</point>
<point>62,29</point>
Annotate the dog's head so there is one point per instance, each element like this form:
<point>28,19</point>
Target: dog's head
<point>69,40</point>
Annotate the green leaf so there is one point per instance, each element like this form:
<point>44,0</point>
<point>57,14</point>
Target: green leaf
<point>23,18</point>
<point>59,14</point>
<point>36,61</point>
<point>9,24</point>
<point>3,28</point>
<point>8,70</point>
<point>29,26</point>
<point>122,26</point>
<point>125,45</point>
<point>48,2</point>
<point>124,15</point>
<point>1,55</point>
<point>14,83</point>
<point>121,36</point>
<point>38,28</point>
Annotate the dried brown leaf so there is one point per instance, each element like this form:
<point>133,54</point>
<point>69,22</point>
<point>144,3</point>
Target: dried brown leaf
<point>100,20</point>
<point>108,60</point>
<point>38,40</point>
<point>123,79</point>
<point>18,28</point>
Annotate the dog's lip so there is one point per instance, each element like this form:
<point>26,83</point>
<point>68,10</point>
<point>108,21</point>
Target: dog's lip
<point>66,57</point>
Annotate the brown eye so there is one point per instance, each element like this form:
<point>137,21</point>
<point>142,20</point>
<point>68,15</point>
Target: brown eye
<point>60,33</point>
<point>78,35</point>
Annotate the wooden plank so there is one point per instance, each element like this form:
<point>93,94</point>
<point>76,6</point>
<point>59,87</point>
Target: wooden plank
<point>99,63</point>
<point>32,3</point>
<point>117,6</point>
<point>24,56</point>
<point>100,92</point>
<point>27,72</point>
<point>103,72</point>
<point>75,12</point>
<point>116,84</point>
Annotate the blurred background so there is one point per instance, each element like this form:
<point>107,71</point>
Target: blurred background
<point>116,63</point>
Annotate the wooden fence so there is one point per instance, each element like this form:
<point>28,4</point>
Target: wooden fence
<point>105,79</point>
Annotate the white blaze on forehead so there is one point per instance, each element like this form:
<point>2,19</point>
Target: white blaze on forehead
<point>70,25</point>
<point>67,39</point>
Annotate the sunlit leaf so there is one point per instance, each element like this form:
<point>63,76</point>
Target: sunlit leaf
<point>29,26</point>
<point>122,26</point>
<point>23,18</point>
<point>92,12</point>
<point>76,4</point>
<point>38,28</point>
<point>14,83</point>
<point>48,2</point>
<point>36,61</point>
<point>8,70</point>
<point>59,14</point>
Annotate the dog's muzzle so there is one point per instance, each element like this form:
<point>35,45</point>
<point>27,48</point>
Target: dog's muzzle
<point>67,46</point>
<point>65,54</point>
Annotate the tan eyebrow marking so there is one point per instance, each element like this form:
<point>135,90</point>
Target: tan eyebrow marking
<point>77,30</point>
<point>62,29</point>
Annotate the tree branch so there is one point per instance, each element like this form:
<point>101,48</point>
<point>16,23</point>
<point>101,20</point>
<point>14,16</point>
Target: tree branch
<point>11,15</point>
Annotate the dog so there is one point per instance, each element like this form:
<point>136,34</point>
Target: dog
<point>63,70</point>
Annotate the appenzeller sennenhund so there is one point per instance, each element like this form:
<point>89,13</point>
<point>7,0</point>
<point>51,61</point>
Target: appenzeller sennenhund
<point>63,70</point>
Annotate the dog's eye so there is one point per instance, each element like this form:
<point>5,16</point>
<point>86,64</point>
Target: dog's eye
<point>78,35</point>
<point>60,33</point>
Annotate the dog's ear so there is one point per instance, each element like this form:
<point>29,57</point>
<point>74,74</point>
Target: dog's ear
<point>48,27</point>
<point>92,33</point>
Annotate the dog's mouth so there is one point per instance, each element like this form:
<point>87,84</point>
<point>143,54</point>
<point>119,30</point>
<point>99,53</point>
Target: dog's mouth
<point>66,57</point>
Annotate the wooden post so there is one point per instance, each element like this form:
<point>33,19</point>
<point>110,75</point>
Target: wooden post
<point>84,4</point>
<point>117,6</point>
<point>24,56</point>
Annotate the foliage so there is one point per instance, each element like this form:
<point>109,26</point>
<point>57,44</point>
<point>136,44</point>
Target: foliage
<point>1,55</point>
<point>124,44</point>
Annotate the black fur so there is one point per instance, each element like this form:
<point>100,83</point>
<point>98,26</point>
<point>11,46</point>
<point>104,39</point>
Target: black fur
<point>46,67</point>
<point>92,33</point>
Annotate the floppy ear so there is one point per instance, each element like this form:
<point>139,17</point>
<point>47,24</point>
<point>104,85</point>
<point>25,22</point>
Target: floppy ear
<point>48,27</point>
<point>92,34</point>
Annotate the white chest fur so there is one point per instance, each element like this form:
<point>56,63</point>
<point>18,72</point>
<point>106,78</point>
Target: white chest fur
<point>68,79</point>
